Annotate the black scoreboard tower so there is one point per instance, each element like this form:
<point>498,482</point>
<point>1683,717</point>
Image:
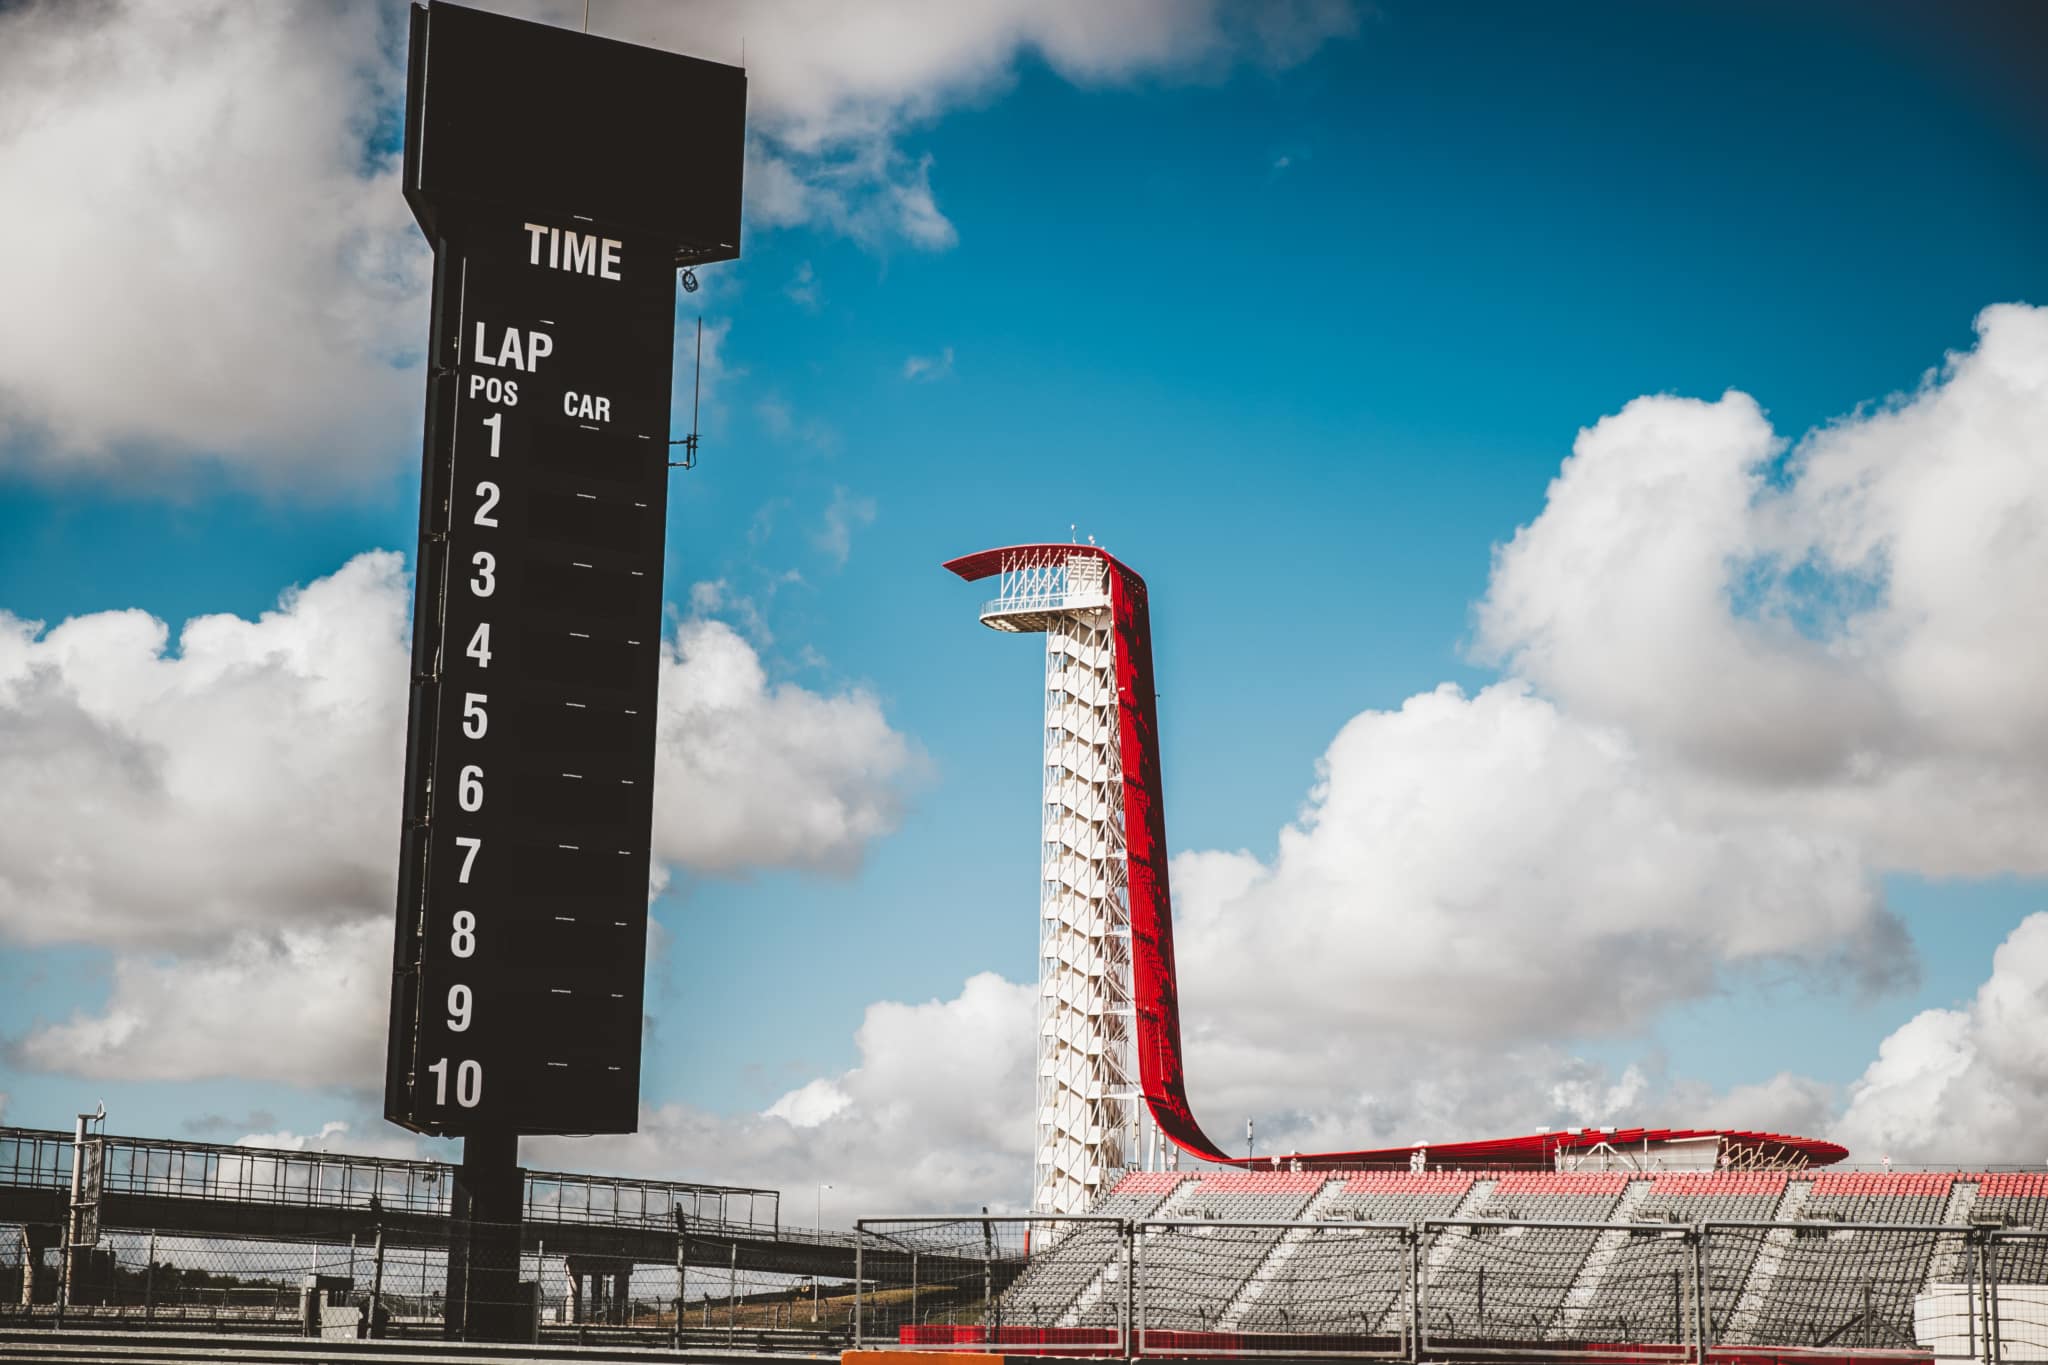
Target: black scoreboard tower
<point>562,179</point>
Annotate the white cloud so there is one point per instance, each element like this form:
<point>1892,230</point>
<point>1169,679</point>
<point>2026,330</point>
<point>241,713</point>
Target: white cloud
<point>226,814</point>
<point>1692,776</point>
<point>336,1135</point>
<point>929,367</point>
<point>843,514</point>
<point>152,798</point>
<point>212,264</point>
<point>296,1006</point>
<point>1488,869</point>
<point>1840,640</point>
<point>1743,685</point>
<point>1969,1083</point>
<point>760,774</point>
<point>831,90</point>
<point>937,1115</point>
<point>219,265</point>
<point>803,288</point>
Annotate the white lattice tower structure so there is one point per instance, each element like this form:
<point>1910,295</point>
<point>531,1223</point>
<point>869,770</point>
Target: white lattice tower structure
<point>1088,1100</point>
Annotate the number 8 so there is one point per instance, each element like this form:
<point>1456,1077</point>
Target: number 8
<point>463,941</point>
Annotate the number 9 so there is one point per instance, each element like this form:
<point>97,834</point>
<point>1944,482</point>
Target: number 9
<point>458,1008</point>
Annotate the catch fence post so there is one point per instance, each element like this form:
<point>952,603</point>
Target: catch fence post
<point>1127,1230</point>
<point>148,1280</point>
<point>1414,1292</point>
<point>1702,1311</point>
<point>377,1284</point>
<point>1994,1321</point>
<point>860,1284</point>
<point>1138,1286</point>
<point>1970,1291</point>
<point>732,1295</point>
<point>683,1271</point>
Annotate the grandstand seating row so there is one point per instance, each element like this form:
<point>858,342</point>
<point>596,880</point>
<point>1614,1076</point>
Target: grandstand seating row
<point>1536,1272</point>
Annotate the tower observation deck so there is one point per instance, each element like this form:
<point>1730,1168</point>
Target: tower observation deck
<point>1111,1087</point>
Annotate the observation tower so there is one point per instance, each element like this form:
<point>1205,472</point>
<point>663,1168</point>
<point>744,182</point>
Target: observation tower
<point>1112,1089</point>
<point>1087,1076</point>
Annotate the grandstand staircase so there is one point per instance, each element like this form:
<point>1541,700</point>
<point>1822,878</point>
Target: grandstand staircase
<point>1756,1291</point>
<point>1112,1276</point>
<point>1950,1253</point>
<point>1270,1269</point>
<point>1446,1245</point>
<point>1585,1290</point>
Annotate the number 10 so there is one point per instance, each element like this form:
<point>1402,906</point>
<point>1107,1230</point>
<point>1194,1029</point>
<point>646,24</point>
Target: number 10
<point>469,1082</point>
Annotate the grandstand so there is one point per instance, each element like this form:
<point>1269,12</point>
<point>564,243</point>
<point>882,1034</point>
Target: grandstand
<point>1628,1260</point>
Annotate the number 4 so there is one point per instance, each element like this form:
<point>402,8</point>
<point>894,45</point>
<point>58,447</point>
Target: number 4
<point>480,645</point>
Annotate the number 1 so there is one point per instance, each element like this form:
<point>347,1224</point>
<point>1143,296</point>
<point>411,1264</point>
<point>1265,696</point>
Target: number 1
<point>496,422</point>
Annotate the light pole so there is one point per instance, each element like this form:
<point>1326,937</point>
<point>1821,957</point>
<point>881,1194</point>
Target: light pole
<point>821,1227</point>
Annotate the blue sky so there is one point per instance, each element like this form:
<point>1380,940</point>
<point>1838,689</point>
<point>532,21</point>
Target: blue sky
<point>1303,343</point>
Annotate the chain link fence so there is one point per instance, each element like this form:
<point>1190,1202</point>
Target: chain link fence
<point>402,1289</point>
<point>1456,1289</point>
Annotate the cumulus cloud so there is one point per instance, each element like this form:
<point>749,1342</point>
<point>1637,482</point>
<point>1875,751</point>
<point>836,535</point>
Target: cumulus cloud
<point>152,797</point>
<point>831,90</point>
<point>1747,676</point>
<point>1957,1084</point>
<point>220,266</point>
<point>936,1115</point>
<point>218,261</point>
<point>1836,634</point>
<point>336,1135</point>
<point>226,814</point>
<point>1716,732</point>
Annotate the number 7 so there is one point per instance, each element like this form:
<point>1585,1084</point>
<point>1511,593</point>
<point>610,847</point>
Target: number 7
<point>469,858</point>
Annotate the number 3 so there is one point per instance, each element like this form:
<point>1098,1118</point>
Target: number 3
<point>485,582</point>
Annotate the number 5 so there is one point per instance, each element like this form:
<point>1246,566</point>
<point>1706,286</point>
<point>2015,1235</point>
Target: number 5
<point>474,719</point>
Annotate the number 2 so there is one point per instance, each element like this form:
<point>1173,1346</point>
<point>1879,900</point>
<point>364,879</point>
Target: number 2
<point>488,491</point>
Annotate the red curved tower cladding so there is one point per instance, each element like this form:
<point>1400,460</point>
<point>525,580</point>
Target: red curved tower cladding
<point>1061,590</point>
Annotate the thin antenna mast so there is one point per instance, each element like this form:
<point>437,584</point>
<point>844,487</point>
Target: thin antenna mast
<point>689,443</point>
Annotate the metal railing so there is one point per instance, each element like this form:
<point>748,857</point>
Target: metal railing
<point>374,1286</point>
<point>1454,1289</point>
<point>41,1159</point>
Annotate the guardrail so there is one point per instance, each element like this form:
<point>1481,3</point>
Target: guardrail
<point>41,1159</point>
<point>1455,1289</point>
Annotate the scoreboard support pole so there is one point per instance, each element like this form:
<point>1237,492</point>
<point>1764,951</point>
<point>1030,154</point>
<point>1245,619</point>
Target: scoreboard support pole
<point>485,1301</point>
